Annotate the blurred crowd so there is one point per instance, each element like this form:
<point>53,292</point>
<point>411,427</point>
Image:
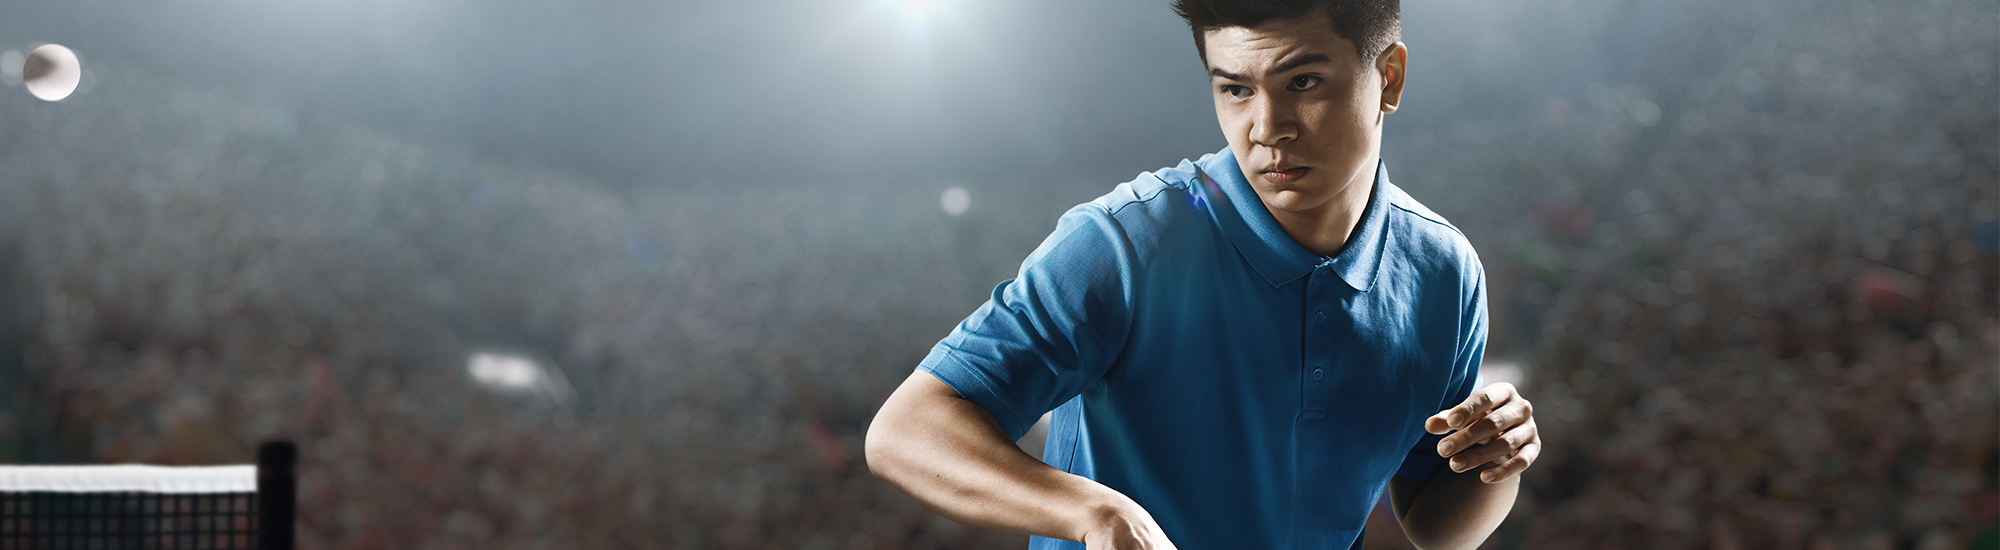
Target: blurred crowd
<point>192,273</point>
<point>1759,305</point>
<point>1757,308</point>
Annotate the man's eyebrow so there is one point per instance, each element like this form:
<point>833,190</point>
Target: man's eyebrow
<point>1285,67</point>
<point>1300,61</point>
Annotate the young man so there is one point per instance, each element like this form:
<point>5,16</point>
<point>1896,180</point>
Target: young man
<point>1241,351</point>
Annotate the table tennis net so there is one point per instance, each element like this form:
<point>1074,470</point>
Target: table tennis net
<point>128,507</point>
<point>142,507</point>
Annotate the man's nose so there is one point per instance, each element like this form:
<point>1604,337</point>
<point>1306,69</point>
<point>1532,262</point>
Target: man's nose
<point>1273,121</point>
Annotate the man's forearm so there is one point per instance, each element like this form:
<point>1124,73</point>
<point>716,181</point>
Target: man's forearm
<point>1452,510</point>
<point>951,456</point>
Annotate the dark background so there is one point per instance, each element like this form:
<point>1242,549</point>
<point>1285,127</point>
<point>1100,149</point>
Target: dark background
<point>1744,255</point>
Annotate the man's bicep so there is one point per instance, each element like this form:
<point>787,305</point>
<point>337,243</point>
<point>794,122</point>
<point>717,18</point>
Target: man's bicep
<point>923,406</point>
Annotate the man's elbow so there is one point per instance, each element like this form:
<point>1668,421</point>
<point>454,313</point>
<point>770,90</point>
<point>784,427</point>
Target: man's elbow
<point>879,448</point>
<point>1437,536</point>
<point>1425,539</point>
<point>893,447</point>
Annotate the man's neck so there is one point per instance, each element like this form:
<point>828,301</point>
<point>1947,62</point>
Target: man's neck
<point>1326,230</point>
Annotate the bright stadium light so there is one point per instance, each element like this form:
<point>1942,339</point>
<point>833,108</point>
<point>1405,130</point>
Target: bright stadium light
<point>918,13</point>
<point>504,371</point>
<point>514,373</point>
<point>917,8</point>
<point>956,200</point>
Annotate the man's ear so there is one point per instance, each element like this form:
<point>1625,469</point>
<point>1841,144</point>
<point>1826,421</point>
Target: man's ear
<point>1391,66</point>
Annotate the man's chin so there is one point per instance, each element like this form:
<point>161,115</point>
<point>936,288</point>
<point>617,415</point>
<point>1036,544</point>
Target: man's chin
<point>1289,199</point>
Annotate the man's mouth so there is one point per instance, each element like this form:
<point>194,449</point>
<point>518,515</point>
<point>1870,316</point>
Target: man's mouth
<point>1284,176</point>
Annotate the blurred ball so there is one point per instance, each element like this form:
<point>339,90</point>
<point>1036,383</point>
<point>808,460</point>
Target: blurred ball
<point>955,200</point>
<point>51,72</point>
<point>10,66</point>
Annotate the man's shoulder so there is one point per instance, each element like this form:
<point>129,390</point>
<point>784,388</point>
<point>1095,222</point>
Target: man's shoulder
<point>1149,191</point>
<point>1132,224</point>
<point>1425,232</point>
<point>1145,208</point>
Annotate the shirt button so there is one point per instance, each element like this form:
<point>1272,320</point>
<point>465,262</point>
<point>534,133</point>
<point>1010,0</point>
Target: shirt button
<point>1319,317</point>
<point>1317,373</point>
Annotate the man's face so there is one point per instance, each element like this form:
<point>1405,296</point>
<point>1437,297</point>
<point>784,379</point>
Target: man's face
<point>1302,113</point>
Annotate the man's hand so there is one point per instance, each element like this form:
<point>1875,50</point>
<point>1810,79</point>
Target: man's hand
<point>951,456</point>
<point>1499,422</point>
<point>1126,529</point>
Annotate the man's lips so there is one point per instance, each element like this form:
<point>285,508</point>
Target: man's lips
<point>1284,176</point>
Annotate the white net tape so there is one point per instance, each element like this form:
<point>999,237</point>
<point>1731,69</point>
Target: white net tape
<point>129,478</point>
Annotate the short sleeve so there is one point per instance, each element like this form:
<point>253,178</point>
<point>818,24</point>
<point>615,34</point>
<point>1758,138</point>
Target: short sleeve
<point>1423,459</point>
<point>1051,332</point>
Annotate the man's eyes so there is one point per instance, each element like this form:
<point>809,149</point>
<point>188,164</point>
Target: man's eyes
<point>1298,84</point>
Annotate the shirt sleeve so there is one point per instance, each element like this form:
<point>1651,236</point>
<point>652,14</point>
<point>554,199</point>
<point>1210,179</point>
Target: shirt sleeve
<point>1423,459</point>
<point>1049,333</point>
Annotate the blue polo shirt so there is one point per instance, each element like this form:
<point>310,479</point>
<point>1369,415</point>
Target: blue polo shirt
<point>1245,391</point>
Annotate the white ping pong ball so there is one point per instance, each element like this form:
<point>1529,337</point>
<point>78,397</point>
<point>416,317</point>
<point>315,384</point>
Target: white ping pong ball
<point>51,72</point>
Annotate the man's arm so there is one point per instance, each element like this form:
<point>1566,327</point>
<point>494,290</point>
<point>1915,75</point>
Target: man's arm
<point>951,456</point>
<point>1467,498</point>
<point>1456,510</point>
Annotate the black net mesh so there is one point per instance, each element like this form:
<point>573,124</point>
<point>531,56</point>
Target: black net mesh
<point>127,520</point>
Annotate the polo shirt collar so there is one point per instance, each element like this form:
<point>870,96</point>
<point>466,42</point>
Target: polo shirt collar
<point>1262,242</point>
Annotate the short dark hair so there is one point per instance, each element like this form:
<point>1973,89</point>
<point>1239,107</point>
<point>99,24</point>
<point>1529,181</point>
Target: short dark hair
<point>1372,25</point>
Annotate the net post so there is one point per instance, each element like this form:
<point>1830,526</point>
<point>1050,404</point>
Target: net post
<point>277,494</point>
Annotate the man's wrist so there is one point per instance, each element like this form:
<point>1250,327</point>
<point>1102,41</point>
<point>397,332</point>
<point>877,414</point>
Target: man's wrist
<point>1107,511</point>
